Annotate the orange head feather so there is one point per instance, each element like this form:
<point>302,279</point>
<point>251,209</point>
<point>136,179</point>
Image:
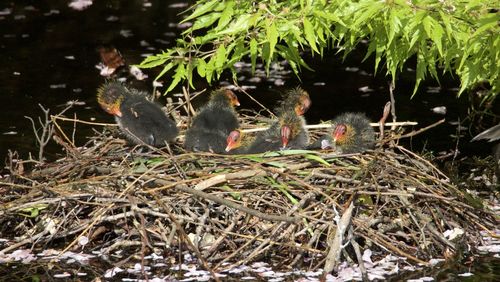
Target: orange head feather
<point>110,97</point>
<point>232,97</point>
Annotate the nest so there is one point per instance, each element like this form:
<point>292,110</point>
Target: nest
<point>297,209</point>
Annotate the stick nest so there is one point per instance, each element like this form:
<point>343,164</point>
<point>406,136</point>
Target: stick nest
<point>237,209</point>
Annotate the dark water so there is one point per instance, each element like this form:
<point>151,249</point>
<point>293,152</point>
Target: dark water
<point>48,54</point>
<point>49,57</point>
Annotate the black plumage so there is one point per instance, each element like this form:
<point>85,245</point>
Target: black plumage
<point>206,140</point>
<point>213,123</point>
<point>288,132</point>
<point>140,120</point>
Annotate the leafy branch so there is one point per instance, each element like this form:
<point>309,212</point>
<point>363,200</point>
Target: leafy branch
<point>460,37</point>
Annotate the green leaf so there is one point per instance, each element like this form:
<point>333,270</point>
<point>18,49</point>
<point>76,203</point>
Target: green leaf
<point>241,24</point>
<point>189,73</point>
<point>316,158</point>
<point>220,57</point>
<point>166,68</point>
<point>283,189</point>
<point>201,67</point>
<point>33,211</point>
<point>437,36</point>
<point>310,35</point>
<point>155,161</point>
<point>226,16</point>
<point>488,22</point>
<point>203,22</point>
<point>446,21</point>
<point>394,25</point>
<point>368,12</point>
<point>234,193</point>
<point>420,73</point>
<point>456,37</point>
<point>254,158</point>
<point>265,55</point>
<point>210,68</point>
<point>276,164</point>
<point>200,10</point>
<point>153,61</point>
<point>253,53</point>
<point>328,16</point>
<point>272,37</point>
<point>427,24</point>
<point>180,73</point>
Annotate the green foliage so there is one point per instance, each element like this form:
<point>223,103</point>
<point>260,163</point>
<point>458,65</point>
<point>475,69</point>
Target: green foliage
<point>33,211</point>
<point>460,37</point>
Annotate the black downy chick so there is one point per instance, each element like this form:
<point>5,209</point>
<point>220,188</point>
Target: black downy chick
<point>213,123</point>
<point>140,120</point>
<point>350,133</point>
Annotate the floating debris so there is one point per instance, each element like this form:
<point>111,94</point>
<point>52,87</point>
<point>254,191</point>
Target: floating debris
<point>439,110</point>
<point>80,5</point>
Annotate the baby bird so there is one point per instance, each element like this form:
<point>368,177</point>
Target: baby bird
<point>296,98</point>
<point>288,132</point>
<point>140,120</point>
<point>237,142</point>
<point>351,133</point>
<point>213,123</point>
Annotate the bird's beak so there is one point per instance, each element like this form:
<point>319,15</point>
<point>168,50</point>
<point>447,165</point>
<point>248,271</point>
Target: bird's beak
<point>233,140</point>
<point>339,133</point>
<point>114,111</point>
<point>230,145</point>
<point>285,135</point>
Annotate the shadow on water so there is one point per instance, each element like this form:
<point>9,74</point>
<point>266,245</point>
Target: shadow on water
<point>49,57</point>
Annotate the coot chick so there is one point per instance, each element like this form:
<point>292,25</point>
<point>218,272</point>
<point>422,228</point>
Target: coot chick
<point>296,98</point>
<point>350,133</point>
<point>213,123</point>
<point>142,121</point>
<point>288,132</point>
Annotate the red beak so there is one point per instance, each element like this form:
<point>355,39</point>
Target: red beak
<point>230,146</point>
<point>285,135</point>
<point>339,132</point>
<point>232,140</point>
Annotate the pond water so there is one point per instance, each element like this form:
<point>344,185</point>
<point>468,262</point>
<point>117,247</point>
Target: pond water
<point>49,54</point>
